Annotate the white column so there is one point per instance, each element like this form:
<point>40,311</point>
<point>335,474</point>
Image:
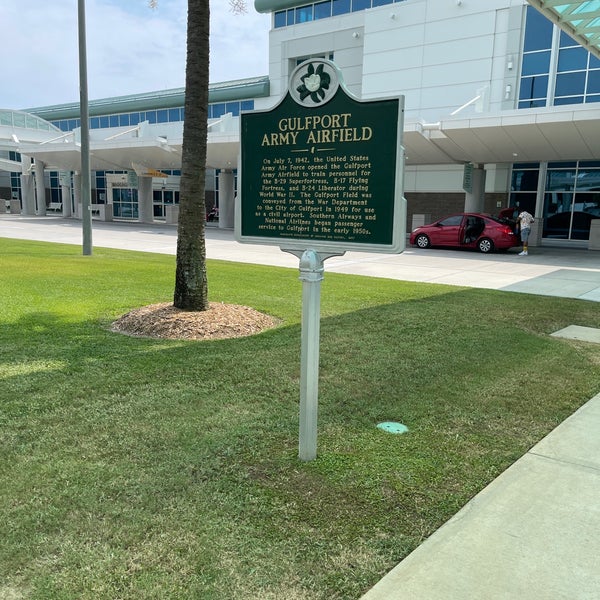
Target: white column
<point>475,199</point>
<point>27,189</point>
<point>40,188</point>
<point>226,199</point>
<point>145,203</point>
<point>27,194</point>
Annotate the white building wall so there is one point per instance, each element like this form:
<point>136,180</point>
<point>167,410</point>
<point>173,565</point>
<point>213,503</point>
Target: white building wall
<point>439,54</point>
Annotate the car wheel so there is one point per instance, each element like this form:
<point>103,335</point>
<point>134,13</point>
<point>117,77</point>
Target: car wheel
<point>422,241</point>
<point>485,245</point>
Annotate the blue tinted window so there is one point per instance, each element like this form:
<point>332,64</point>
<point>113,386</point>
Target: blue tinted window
<point>594,62</point>
<point>323,10</point>
<point>340,7</point>
<point>94,123</point>
<point>536,63</point>
<point>382,2</point>
<point>162,116</point>
<point>593,84</point>
<point>123,120</point>
<point>218,110</point>
<point>73,124</point>
<point>233,108</point>
<point>247,105</point>
<point>570,84</point>
<point>103,122</point>
<point>280,19</point>
<point>113,120</point>
<point>533,87</point>
<point>151,116</point>
<point>532,103</point>
<point>538,31</point>
<point>572,59</point>
<point>304,14</point>
<point>174,115</point>
<point>593,98</point>
<point>567,40</point>
<point>360,5</point>
<point>134,118</point>
<point>568,100</point>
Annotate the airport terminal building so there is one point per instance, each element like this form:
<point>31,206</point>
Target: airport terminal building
<point>502,109</point>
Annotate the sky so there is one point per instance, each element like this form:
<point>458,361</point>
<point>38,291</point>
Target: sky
<point>131,48</point>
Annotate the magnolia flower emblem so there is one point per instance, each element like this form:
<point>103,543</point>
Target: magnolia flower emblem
<point>314,83</point>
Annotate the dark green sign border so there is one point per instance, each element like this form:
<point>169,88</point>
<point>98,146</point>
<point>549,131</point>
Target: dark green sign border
<point>327,176</point>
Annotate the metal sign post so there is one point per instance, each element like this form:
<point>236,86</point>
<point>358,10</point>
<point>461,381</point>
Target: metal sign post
<point>311,275</point>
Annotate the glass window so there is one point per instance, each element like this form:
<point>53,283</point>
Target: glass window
<point>174,115</point>
<point>595,98</point>
<point>291,16</point>
<point>593,82</point>
<point>594,62</point>
<point>304,14</point>
<point>134,118</point>
<point>538,31</point>
<point>103,122</point>
<point>564,100</point>
<point>536,63</point>
<point>524,181</point>
<point>233,108</point>
<point>218,110</point>
<point>280,19</point>
<point>94,123</point>
<point>533,87</point>
<point>340,7</point>
<point>247,105</point>
<point>560,180</point>
<point>162,116</point>
<point>572,59</point>
<point>382,2</point>
<point>323,10</point>
<point>360,5</point>
<point>123,120</point>
<point>151,116</point>
<point>452,221</point>
<point>570,84</point>
<point>566,40</point>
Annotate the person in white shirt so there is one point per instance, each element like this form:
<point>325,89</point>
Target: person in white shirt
<point>524,221</point>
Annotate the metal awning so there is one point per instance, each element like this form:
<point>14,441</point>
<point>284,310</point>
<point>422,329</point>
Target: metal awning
<point>581,20</point>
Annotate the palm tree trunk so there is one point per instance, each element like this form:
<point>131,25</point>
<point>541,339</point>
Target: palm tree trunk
<point>191,285</point>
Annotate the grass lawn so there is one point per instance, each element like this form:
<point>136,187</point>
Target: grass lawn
<point>140,468</point>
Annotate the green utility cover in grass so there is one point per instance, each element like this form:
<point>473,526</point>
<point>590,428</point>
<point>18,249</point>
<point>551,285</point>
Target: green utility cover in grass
<point>392,427</point>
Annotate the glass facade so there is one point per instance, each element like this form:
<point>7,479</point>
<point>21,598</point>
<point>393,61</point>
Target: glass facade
<point>163,115</point>
<point>323,10</point>
<point>577,76</point>
<point>571,196</point>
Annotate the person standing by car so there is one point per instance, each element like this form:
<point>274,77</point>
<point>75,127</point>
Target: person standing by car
<point>524,221</point>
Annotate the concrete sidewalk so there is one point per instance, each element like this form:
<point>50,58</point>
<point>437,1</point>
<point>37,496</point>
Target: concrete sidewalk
<point>534,532</point>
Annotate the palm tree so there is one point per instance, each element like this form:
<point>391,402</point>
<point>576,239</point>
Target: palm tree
<point>191,285</point>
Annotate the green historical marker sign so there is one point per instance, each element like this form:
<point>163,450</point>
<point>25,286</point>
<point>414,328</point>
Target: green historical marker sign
<point>322,169</point>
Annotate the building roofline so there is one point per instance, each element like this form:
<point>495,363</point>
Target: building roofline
<point>228,91</point>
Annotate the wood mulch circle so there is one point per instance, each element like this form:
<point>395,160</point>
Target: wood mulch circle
<point>220,321</point>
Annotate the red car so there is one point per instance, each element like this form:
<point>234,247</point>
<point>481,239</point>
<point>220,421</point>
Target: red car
<point>466,230</point>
